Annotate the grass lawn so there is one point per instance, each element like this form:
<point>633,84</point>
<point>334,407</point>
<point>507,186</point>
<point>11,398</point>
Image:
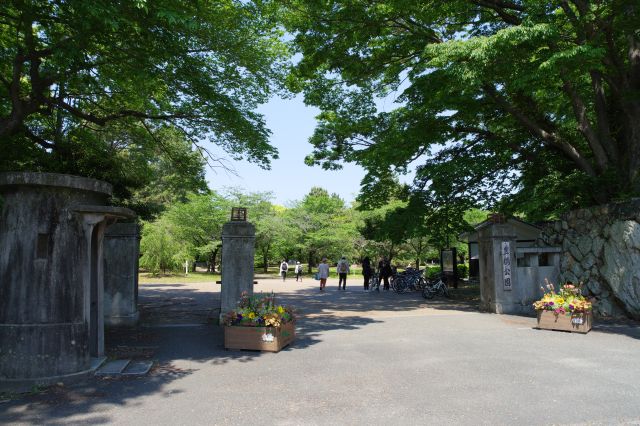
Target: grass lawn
<point>200,277</point>
<point>177,278</point>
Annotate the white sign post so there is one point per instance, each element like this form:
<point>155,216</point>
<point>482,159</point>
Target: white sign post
<point>506,265</point>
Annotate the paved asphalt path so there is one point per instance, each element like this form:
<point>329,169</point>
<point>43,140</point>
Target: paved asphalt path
<point>358,359</point>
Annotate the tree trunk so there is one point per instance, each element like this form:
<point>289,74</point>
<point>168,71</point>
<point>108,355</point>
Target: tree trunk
<point>310,262</point>
<point>214,255</point>
<point>265,261</point>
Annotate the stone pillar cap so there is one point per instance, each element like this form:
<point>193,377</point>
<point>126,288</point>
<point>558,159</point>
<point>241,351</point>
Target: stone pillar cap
<point>55,180</point>
<point>109,211</point>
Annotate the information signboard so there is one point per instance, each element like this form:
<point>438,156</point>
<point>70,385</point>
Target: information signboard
<point>447,261</point>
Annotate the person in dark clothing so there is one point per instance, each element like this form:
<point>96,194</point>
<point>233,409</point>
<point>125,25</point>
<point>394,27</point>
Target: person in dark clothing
<point>384,268</point>
<point>367,272</point>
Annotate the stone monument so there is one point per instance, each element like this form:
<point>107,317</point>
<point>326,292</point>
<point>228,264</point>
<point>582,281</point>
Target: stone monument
<point>238,248</point>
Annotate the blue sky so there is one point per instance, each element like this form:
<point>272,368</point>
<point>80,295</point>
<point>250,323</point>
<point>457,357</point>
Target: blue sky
<point>291,124</point>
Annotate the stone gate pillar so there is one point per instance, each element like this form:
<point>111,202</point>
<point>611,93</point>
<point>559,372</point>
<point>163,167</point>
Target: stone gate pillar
<point>499,292</point>
<point>238,248</point>
<point>121,255</point>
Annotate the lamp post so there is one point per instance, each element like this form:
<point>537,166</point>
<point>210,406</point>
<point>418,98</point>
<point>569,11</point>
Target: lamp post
<point>238,214</point>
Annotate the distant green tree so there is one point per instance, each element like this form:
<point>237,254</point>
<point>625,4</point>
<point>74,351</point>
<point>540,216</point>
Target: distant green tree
<point>159,247</point>
<point>271,231</point>
<point>385,228</point>
<point>197,223</point>
<point>324,226</point>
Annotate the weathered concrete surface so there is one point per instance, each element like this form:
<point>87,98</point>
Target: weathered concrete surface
<point>121,255</point>
<point>238,248</point>
<point>50,276</point>
<point>493,296</point>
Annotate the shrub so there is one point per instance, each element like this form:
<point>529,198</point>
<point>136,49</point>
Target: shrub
<point>463,270</point>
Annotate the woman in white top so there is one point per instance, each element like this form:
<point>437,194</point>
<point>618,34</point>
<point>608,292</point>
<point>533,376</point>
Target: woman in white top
<point>323,273</point>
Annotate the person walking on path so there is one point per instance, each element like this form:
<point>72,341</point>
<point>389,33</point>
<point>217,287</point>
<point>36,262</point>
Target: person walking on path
<point>384,268</point>
<point>284,267</point>
<point>367,272</point>
<point>323,273</point>
<point>343,270</point>
<point>298,272</point>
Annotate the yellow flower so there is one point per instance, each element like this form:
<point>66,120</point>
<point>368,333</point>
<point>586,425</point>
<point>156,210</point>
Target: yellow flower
<point>251,315</point>
<point>560,301</point>
<point>280,310</point>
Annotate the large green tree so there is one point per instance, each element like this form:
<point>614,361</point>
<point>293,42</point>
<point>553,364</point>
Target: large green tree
<point>87,79</point>
<point>197,224</point>
<point>323,225</point>
<point>534,102</point>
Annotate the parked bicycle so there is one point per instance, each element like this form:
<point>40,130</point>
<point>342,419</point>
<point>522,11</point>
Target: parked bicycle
<point>410,279</point>
<point>435,287</point>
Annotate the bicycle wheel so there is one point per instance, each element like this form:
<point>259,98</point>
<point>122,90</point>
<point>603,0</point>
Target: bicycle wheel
<point>445,291</point>
<point>428,292</point>
<point>400,285</point>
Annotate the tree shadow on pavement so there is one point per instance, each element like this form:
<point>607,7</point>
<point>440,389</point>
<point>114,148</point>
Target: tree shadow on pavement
<point>624,327</point>
<point>177,332</point>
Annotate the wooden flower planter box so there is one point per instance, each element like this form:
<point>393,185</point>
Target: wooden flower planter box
<point>270,339</point>
<point>581,323</point>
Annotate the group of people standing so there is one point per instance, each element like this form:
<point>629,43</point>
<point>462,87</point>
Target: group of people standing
<point>384,272</point>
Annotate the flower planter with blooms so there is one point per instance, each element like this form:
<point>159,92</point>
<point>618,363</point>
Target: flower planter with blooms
<point>565,310</point>
<point>259,324</point>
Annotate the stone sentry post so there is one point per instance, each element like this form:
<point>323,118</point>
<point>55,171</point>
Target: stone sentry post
<point>238,248</point>
<point>51,276</point>
<point>499,290</point>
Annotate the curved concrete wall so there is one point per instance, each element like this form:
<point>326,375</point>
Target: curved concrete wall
<point>49,274</point>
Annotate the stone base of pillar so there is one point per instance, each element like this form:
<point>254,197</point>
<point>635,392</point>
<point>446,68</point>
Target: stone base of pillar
<point>123,320</point>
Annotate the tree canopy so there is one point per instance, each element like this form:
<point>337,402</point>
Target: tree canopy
<point>533,103</point>
<point>101,80</point>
